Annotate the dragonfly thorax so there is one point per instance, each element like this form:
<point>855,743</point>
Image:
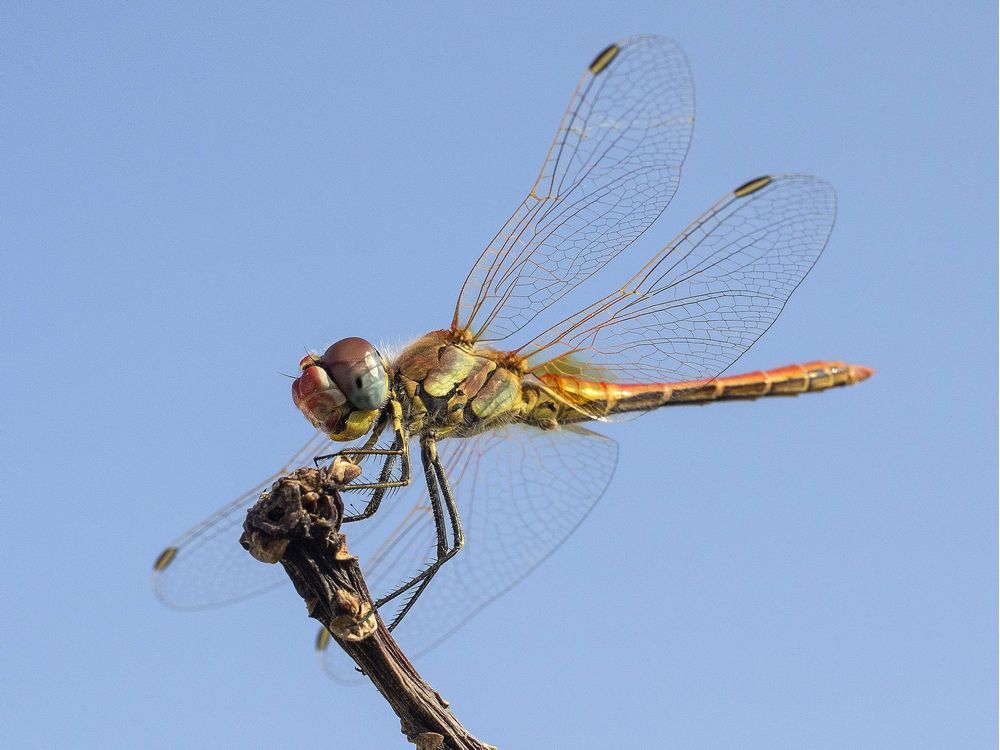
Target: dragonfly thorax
<point>455,388</point>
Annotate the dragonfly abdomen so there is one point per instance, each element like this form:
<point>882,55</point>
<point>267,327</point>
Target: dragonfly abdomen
<point>595,399</point>
<point>781,381</point>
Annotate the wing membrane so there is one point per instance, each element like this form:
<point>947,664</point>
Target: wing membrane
<point>206,566</point>
<point>612,168</point>
<point>706,297</point>
<point>521,492</point>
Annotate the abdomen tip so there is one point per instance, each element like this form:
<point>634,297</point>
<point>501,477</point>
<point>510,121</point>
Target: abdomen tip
<point>860,372</point>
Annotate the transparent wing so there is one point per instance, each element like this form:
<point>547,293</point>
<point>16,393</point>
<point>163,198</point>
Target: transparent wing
<point>520,491</point>
<point>705,298</point>
<point>612,168</point>
<point>207,567</point>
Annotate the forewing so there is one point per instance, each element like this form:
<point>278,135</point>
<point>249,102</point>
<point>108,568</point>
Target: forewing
<point>705,298</point>
<point>206,567</point>
<point>612,168</point>
<point>520,491</point>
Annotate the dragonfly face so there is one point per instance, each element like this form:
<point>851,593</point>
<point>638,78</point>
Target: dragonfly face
<point>341,391</point>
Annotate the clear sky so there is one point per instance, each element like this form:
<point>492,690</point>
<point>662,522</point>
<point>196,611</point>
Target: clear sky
<point>194,192</point>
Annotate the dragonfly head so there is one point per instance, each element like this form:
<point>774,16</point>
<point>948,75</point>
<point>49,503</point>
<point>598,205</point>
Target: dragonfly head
<point>341,391</point>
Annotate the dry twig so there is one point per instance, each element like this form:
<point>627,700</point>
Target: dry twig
<point>297,524</point>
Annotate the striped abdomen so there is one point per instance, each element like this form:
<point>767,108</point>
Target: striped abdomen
<point>585,399</point>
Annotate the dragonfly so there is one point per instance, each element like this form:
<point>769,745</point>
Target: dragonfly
<point>477,441</point>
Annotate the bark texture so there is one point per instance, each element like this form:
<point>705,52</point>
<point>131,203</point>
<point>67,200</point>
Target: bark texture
<point>297,524</point>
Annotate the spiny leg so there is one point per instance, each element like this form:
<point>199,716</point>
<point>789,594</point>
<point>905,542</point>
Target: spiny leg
<point>377,430</point>
<point>457,535</point>
<point>411,599</point>
<point>399,448</point>
<point>437,489</point>
<point>383,484</point>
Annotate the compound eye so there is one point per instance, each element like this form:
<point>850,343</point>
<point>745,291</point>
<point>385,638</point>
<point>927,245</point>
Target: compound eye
<point>356,368</point>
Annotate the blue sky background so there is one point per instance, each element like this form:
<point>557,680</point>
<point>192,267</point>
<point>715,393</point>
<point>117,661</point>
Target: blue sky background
<point>194,192</point>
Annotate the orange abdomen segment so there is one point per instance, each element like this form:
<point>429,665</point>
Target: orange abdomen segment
<point>782,381</point>
<point>601,399</point>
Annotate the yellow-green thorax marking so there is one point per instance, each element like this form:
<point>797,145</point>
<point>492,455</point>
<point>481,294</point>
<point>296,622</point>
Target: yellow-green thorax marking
<point>454,388</point>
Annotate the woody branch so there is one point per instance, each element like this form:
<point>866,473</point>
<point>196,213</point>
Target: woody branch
<point>297,523</point>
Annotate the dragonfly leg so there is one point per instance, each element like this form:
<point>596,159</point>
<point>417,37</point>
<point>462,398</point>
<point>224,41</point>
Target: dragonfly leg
<point>442,501</point>
<point>369,444</point>
<point>383,484</point>
<point>377,431</point>
<point>398,449</point>
<point>410,601</point>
